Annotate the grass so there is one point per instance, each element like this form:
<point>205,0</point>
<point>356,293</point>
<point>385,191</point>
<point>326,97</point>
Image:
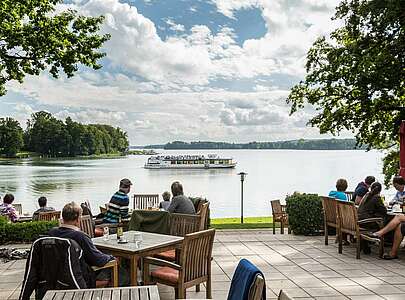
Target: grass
<point>248,223</point>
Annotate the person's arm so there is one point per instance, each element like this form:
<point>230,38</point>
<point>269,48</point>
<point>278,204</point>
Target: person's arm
<point>394,200</point>
<point>172,207</point>
<point>124,209</point>
<point>92,255</point>
<point>380,209</point>
<point>13,214</point>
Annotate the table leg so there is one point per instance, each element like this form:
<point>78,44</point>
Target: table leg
<point>134,270</point>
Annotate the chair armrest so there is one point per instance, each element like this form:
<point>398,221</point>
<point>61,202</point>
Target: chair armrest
<point>379,221</point>
<point>110,264</point>
<point>160,262</point>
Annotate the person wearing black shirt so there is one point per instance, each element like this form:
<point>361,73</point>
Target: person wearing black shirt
<point>362,189</point>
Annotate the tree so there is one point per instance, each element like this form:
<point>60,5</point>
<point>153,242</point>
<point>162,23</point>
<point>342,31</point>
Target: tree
<point>33,37</point>
<point>11,137</point>
<point>356,78</point>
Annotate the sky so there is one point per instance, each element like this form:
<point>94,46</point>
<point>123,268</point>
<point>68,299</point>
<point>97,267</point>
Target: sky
<point>189,70</point>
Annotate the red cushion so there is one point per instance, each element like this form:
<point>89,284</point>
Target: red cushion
<point>166,274</point>
<point>169,255</point>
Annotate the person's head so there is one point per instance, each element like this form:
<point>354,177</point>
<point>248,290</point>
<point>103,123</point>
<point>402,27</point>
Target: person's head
<point>369,180</point>
<point>177,189</point>
<point>71,213</point>
<point>166,196</point>
<point>341,185</point>
<point>8,198</point>
<point>125,185</point>
<point>42,201</point>
<point>399,183</point>
<point>375,189</point>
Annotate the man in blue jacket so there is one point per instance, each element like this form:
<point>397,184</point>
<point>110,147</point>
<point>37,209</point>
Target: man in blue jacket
<point>71,214</point>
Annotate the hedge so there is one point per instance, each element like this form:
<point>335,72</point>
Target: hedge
<point>23,232</point>
<point>304,213</point>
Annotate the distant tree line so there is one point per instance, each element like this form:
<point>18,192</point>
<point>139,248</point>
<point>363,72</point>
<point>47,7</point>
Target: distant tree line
<point>322,144</point>
<point>51,137</point>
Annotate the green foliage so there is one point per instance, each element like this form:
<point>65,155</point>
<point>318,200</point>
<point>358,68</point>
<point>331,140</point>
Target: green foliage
<point>23,232</point>
<point>11,137</point>
<point>356,78</point>
<point>52,137</point>
<point>304,213</point>
<point>322,144</point>
<point>34,37</point>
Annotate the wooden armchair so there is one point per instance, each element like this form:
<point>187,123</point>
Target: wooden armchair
<point>330,215</point>
<point>349,224</point>
<point>113,264</point>
<point>194,266</point>
<point>279,215</point>
<point>86,225</point>
<point>144,201</point>
<point>284,296</point>
<point>18,208</point>
<point>349,196</point>
<point>203,213</point>
<point>49,216</point>
<point>256,290</point>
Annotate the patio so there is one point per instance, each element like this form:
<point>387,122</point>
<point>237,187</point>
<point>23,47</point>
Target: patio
<point>302,266</point>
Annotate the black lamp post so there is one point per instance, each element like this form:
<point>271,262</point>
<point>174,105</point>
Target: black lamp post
<point>242,179</point>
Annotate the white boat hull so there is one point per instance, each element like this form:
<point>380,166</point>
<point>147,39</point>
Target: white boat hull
<point>188,167</point>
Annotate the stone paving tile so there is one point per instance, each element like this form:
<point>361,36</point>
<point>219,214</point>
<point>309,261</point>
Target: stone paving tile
<point>322,291</point>
<point>366,297</point>
<point>384,289</point>
<point>394,297</point>
<point>393,279</point>
<point>353,290</point>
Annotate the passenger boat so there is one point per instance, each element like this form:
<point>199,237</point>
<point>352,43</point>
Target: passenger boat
<point>211,161</point>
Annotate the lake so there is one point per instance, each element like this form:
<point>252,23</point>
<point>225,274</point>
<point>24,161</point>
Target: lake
<point>272,174</point>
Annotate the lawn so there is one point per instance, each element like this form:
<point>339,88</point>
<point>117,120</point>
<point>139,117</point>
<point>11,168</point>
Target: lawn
<point>249,223</point>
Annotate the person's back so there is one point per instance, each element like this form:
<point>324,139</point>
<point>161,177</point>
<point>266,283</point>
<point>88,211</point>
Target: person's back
<point>341,186</point>
<point>338,195</point>
<point>7,209</point>
<point>166,201</point>
<point>42,201</point>
<point>118,205</point>
<point>372,205</point>
<point>180,203</point>
<point>362,189</point>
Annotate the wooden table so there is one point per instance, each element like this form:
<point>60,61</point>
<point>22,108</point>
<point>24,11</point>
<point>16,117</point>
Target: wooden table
<point>149,292</point>
<point>152,243</point>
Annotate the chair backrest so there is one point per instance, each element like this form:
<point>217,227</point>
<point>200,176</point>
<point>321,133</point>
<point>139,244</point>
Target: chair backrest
<point>196,254</point>
<point>276,207</point>
<point>284,296</point>
<point>256,290</point>
<point>330,212</point>
<point>86,225</point>
<point>203,213</point>
<point>182,224</point>
<point>49,216</point>
<point>18,208</point>
<point>348,217</point>
<point>144,201</point>
<point>349,196</point>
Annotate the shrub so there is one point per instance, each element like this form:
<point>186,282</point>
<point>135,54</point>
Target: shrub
<point>304,213</point>
<point>23,232</point>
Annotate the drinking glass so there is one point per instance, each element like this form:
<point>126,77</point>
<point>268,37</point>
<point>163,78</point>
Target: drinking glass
<point>106,233</point>
<point>137,238</point>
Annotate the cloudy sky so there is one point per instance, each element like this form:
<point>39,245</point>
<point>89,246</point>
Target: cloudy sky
<point>188,70</point>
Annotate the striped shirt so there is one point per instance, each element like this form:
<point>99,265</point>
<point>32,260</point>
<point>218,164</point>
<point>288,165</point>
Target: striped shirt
<point>118,206</point>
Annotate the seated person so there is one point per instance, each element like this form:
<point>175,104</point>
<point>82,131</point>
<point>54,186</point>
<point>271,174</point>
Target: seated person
<point>372,205</point>
<point>7,209</point>
<point>399,184</point>
<point>180,203</point>
<point>69,228</point>
<point>42,208</point>
<point>341,187</point>
<point>362,189</point>
<point>118,205</point>
<point>166,201</point>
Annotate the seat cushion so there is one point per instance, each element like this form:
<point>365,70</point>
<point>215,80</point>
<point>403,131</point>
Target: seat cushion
<point>166,274</point>
<point>169,255</point>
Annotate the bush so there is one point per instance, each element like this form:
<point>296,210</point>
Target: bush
<point>23,232</point>
<point>304,213</point>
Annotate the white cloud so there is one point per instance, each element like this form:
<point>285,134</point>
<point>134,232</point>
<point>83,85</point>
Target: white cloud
<point>175,27</point>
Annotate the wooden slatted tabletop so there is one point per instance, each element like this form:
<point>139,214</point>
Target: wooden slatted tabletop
<point>149,292</point>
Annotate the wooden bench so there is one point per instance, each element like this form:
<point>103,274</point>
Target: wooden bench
<point>145,201</point>
<point>49,216</point>
<point>330,215</point>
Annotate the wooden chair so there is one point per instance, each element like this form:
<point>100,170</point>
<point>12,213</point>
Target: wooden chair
<point>194,266</point>
<point>86,225</point>
<point>203,213</point>
<point>256,291</point>
<point>18,208</point>
<point>330,215</point>
<point>114,266</point>
<point>279,215</point>
<point>49,216</point>
<point>144,201</point>
<point>349,196</point>
<point>284,296</point>
<point>349,224</point>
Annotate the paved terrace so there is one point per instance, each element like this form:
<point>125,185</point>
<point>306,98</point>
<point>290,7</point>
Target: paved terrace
<point>303,266</point>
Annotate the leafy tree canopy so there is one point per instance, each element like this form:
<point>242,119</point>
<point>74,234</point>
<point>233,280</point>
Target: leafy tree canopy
<point>34,37</point>
<point>11,137</point>
<point>356,77</point>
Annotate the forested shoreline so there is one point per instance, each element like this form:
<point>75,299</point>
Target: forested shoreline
<point>48,136</point>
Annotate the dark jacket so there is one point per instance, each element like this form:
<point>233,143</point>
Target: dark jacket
<point>372,208</point>
<point>181,205</point>
<point>53,264</point>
